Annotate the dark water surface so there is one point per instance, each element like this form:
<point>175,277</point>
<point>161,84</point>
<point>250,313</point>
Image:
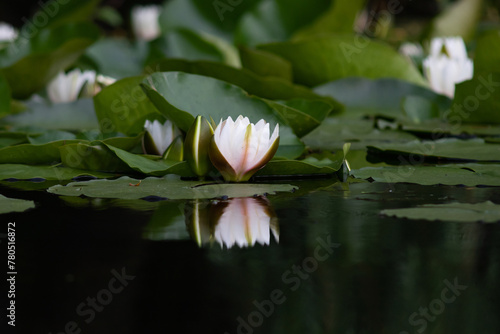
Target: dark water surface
<point>110,266</point>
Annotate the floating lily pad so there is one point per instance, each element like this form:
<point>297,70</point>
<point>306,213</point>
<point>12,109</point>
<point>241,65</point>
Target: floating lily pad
<point>449,148</point>
<point>486,212</point>
<point>335,131</point>
<point>459,174</point>
<point>33,154</point>
<point>265,64</point>
<point>14,205</point>
<point>164,188</point>
<point>25,172</point>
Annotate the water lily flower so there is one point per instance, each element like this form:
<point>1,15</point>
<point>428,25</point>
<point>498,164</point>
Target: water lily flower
<point>158,136</point>
<point>239,149</point>
<point>7,32</point>
<point>197,146</point>
<point>145,22</point>
<point>238,221</point>
<point>447,65</point>
<point>67,87</point>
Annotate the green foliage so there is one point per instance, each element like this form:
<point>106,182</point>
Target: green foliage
<point>319,60</point>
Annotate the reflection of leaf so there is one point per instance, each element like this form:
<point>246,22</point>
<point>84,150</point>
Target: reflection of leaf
<point>14,205</point>
<point>486,212</point>
<point>459,174</point>
<point>166,188</point>
<point>172,93</point>
<point>319,60</point>
<point>452,149</point>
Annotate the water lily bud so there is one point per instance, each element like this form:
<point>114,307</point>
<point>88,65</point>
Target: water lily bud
<point>447,65</point>
<point>158,137</point>
<point>66,87</point>
<point>145,22</point>
<point>175,151</point>
<point>239,149</point>
<point>197,145</point>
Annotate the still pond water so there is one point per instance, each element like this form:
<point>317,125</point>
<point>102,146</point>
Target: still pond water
<point>333,265</point>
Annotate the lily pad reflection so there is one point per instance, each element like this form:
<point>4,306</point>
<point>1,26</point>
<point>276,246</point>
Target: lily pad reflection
<point>242,222</point>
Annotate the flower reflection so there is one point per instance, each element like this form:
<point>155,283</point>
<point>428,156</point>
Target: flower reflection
<point>238,221</point>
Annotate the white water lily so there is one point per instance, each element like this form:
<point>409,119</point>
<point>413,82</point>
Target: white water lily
<point>246,221</point>
<point>145,22</point>
<point>66,87</point>
<point>159,136</point>
<point>7,32</point>
<point>239,149</point>
<point>447,65</point>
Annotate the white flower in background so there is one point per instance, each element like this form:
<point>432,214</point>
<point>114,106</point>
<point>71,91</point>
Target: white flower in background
<point>244,222</point>
<point>447,65</point>
<point>239,149</point>
<point>7,32</point>
<point>145,23</point>
<point>411,50</point>
<point>66,87</point>
<point>158,137</point>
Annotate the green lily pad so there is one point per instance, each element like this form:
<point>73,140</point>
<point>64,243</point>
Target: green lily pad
<point>188,44</point>
<point>460,174</point>
<point>266,87</point>
<point>335,131</point>
<point>148,166</point>
<point>486,212</point>
<point>339,18</point>
<point>26,172</point>
<point>33,154</point>
<point>77,115</point>
<point>165,188</point>
<point>378,97</point>
<point>323,59</point>
<point>4,96</point>
<point>487,54</point>
<point>277,20</point>
<point>29,64</point>
<point>265,64</point>
<point>117,57</point>
<point>477,100</point>
<point>124,107</point>
<point>181,97</point>
<point>436,128</point>
<point>284,168</point>
<point>448,148</point>
<point>14,205</point>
